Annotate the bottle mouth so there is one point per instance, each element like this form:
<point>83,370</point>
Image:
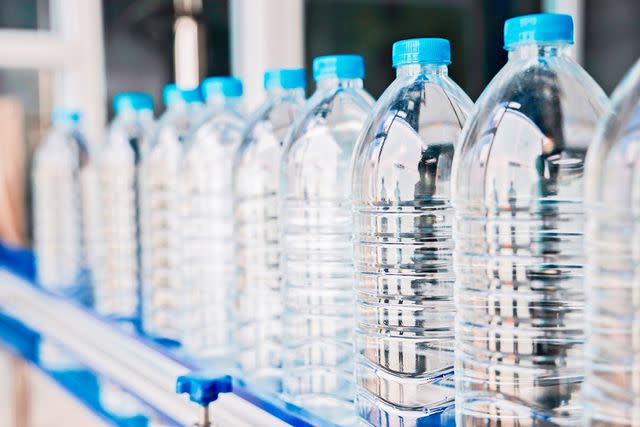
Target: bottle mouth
<point>338,67</point>
<point>436,51</point>
<point>541,28</point>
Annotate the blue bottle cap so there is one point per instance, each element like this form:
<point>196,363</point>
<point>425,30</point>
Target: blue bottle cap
<point>541,27</point>
<point>224,85</point>
<point>421,51</point>
<point>132,101</point>
<point>172,94</point>
<point>60,115</point>
<point>338,66</point>
<point>285,78</point>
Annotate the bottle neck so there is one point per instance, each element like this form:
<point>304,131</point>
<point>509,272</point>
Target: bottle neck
<point>417,69</point>
<point>335,82</point>
<point>296,93</point>
<point>130,114</point>
<point>221,102</point>
<point>538,50</point>
<point>65,125</point>
<point>178,105</point>
<point>146,114</point>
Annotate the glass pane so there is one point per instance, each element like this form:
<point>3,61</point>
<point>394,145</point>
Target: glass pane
<point>369,27</point>
<point>610,40</point>
<point>24,14</point>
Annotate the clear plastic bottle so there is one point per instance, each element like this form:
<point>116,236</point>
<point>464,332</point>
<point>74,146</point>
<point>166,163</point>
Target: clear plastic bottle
<point>60,171</point>
<point>403,243</point>
<point>163,295</point>
<point>208,262</point>
<point>612,193</point>
<point>517,188</point>
<point>63,184</point>
<point>256,174</point>
<point>315,234</point>
<point>117,287</point>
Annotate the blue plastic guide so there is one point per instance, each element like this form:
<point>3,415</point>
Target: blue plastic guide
<point>21,341</point>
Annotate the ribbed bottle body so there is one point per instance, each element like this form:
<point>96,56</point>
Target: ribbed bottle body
<point>612,276</point>
<point>61,184</point>
<point>117,286</point>
<point>163,292</point>
<point>518,195</point>
<point>403,248</point>
<point>317,269</point>
<point>255,185</point>
<point>207,227</point>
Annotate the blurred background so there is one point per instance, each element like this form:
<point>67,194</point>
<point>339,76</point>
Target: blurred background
<point>79,53</point>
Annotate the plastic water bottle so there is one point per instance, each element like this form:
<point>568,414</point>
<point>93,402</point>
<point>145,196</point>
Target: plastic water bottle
<point>60,170</point>
<point>255,186</point>
<point>518,195</point>
<point>612,352</point>
<point>403,240</point>
<point>208,261</point>
<point>117,287</point>
<point>62,184</point>
<point>163,294</point>
<point>315,231</point>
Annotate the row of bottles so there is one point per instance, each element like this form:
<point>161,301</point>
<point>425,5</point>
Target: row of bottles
<point>374,260</point>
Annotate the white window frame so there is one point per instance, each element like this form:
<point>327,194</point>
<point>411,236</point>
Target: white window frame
<point>74,51</point>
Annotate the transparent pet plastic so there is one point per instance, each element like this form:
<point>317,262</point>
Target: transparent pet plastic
<point>403,247</point>
<point>62,178</point>
<point>518,194</point>
<point>117,282</point>
<point>613,257</point>
<point>207,227</point>
<point>163,293</point>
<point>255,187</point>
<point>315,232</point>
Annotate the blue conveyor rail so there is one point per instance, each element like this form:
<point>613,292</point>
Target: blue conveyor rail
<point>167,383</point>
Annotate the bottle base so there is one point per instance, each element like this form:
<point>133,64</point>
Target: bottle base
<point>377,413</point>
<point>328,407</point>
<point>498,413</point>
<point>264,380</point>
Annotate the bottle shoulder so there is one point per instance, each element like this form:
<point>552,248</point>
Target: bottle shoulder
<point>551,93</point>
<point>332,115</point>
<point>267,127</point>
<point>615,154</point>
<point>416,118</point>
<point>419,102</point>
<point>528,137</point>
<point>61,144</point>
<point>222,128</point>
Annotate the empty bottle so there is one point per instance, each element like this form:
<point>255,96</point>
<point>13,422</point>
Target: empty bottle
<point>255,188</point>
<point>612,276</point>
<point>208,219</point>
<point>315,234</point>
<point>163,295</point>
<point>117,287</point>
<point>403,243</point>
<point>61,170</point>
<point>518,195</point>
